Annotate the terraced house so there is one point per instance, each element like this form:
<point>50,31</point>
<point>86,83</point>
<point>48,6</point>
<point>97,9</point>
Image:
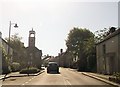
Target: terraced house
<point>108,53</point>
<point>4,46</point>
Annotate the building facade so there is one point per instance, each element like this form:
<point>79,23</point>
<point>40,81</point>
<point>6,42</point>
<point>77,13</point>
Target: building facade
<point>0,53</point>
<point>4,54</point>
<point>33,53</point>
<point>108,54</point>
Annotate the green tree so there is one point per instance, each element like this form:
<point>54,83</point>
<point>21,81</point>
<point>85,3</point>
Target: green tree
<point>19,50</point>
<point>6,61</point>
<point>80,43</point>
<point>90,52</point>
<point>103,33</point>
<point>15,42</point>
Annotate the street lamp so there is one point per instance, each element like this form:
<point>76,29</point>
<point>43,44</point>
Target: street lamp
<point>16,26</point>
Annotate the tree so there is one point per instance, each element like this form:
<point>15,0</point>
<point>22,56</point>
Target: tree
<point>6,61</point>
<point>80,43</point>
<point>90,52</point>
<point>19,49</point>
<point>15,42</point>
<point>103,33</point>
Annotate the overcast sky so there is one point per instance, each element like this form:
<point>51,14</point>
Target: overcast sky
<point>53,19</point>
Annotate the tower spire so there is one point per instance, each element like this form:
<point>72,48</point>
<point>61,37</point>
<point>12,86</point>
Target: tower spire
<point>31,38</point>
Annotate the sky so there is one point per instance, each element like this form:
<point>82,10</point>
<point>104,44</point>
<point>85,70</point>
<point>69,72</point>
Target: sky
<point>53,19</point>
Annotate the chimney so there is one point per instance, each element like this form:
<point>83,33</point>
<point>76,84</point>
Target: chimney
<point>61,51</point>
<point>112,29</point>
<point>0,35</point>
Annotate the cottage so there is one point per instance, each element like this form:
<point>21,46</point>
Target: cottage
<point>108,53</point>
<point>4,54</point>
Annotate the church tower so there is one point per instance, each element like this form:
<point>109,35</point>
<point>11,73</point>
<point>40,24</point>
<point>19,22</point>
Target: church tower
<point>31,38</point>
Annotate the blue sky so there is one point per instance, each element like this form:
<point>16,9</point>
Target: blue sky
<point>53,19</point>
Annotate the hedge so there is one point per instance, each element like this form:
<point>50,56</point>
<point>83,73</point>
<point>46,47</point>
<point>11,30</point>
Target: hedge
<point>30,70</point>
<point>15,66</point>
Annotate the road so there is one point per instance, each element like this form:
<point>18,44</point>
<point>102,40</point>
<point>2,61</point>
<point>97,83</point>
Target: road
<point>65,77</point>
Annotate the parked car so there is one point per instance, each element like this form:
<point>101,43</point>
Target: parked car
<point>52,67</point>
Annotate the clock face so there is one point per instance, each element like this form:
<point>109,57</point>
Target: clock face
<point>31,40</point>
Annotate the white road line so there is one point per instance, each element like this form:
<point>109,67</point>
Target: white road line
<point>32,78</point>
<point>68,82</point>
<point>26,82</point>
<point>29,80</point>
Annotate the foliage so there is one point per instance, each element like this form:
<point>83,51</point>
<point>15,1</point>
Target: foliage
<point>103,33</point>
<point>4,53</point>
<point>117,75</point>
<point>15,66</point>
<point>81,44</point>
<point>6,69</point>
<point>15,42</point>
<point>29,70</point>
<point>6,60</point>
<point>19,49</point>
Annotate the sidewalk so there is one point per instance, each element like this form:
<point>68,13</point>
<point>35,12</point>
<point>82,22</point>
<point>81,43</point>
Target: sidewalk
<point>101,77</point>
<point>17,74</point>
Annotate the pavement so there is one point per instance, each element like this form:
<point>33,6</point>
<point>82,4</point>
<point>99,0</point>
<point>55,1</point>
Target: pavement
<point>101,77</point>
<point>17,74</point>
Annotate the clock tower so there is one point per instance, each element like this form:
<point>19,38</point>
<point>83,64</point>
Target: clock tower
<point>31,38</point>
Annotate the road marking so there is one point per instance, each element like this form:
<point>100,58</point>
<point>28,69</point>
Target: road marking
<point>33,77</point>
<point>26,82</point>
<point>29,80</point>
<point>68,82</point>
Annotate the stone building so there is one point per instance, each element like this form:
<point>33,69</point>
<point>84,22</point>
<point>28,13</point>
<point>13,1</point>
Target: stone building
<point>33,53</point>
<point>108,53</point>
<point>66,59</point>
<point>0,53</point>
<point>4,54</point>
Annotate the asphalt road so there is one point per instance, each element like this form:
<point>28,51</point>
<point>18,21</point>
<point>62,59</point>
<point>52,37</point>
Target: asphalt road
<point>66,77</point>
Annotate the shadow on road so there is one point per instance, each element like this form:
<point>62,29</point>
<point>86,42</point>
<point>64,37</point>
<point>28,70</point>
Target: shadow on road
<point>54,73</point>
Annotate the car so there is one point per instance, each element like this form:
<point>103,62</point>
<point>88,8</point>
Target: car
<point>53,67</point>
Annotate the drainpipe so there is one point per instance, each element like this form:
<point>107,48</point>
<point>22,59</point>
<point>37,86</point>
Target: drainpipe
<point>118,36</point>
<point>0,57</point>
<point>118,53</point>
<point>0,53</point>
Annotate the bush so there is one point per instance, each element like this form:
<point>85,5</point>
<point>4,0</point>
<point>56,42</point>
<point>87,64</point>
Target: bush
<point>15,66</point>
<point>30,70</point>
<point>6,69</point>
<point>115,77</point>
